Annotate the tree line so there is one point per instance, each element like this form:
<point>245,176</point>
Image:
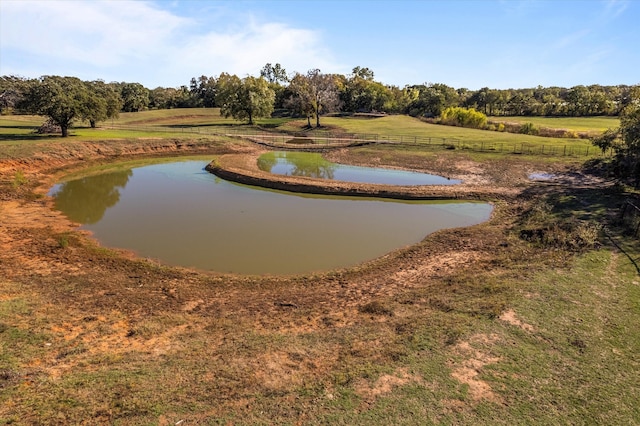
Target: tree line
<point>67,99</point>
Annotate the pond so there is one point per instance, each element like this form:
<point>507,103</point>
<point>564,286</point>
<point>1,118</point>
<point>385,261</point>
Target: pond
<point>311,164</point>
<point>182,215</point>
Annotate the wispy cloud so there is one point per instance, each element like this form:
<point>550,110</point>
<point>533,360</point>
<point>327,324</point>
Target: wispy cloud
<point>615,8</point>
<point>570,39</point>
<point>155,45</point>
<point>97,33</point>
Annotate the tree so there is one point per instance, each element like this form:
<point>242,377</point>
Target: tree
<point>203,90</point>
<point>62,99</point>
<point>363,73</point>
<point>300,100</point>
<point>11,91</point>
<point>244,99</point>
<point>103,102</point>
<point>274,74</point>
<point>362,94</point>
<point>135,97</point>
<point>625,144</point>
<point>324,94</point>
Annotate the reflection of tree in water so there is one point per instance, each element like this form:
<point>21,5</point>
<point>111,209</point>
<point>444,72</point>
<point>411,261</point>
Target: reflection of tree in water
<point>267,161</point>
<point>319,170</point>
<point>310,165</point>
<point>85,200</point>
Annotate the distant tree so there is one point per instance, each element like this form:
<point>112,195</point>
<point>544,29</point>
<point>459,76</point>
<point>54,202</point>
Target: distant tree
<point>625,144</point>
<point>300,99</point>
<point>61,99</point>
<point>244,99</point>
<point>274,74</point>
<point>360,93</point>
<point>431,99</point>
<point>103,102</point>
<point>11,91</point>
<point>160,98</point>
<point>324,93</point>
<point>363,73</point>
<point>135,97</point>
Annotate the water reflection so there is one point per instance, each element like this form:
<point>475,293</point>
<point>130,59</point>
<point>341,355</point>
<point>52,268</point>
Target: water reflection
<point>307,164</point>
<point>183,215</point>
<point>311,164</point>
<point>87,199</point>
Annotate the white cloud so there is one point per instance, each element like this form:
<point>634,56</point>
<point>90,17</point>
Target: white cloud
<point>97,33</point>
<point>246,51</point>
<point>137,41</point>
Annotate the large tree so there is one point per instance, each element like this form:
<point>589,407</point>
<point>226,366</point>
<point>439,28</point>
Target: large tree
<point>244,99</point>
<point>103,102</point>
<point>61,99</point>
<point>625,143</point>
<point>324,93</point>
<point>300,97</point>
<point>360,93</point>
<point>11,91</point>
<point>135,97</point>
<point>203,91</point>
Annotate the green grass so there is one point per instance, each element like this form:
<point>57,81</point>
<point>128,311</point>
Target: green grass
<point>577,124</point>
<point>573,359</point>
<point>409,126</point>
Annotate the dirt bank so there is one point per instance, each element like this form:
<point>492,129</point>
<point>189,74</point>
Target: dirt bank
<point>243,168</point>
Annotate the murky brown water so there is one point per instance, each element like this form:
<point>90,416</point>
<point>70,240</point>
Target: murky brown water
<point>182,215</point>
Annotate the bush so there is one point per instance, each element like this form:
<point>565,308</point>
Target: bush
<point>529,129</point>
<point>571,134</point>
<point>456,116</point>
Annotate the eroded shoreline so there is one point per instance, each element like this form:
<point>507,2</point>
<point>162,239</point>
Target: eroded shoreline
<point>242,168</point>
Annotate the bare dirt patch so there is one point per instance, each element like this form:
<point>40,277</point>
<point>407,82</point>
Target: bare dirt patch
<point>468,370</point>
<point>510,317</point>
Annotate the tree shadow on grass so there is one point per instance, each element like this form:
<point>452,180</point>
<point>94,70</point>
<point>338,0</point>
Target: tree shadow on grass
<point>28,137</point>
<point>580,197</point>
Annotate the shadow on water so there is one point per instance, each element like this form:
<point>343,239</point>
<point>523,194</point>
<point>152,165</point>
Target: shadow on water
<point>85,200</point>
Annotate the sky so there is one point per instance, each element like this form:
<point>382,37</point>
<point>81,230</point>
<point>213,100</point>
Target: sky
<point>498,44</point>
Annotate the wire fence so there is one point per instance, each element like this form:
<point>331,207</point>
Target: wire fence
<point>630,217</point>
<point>319,139</point>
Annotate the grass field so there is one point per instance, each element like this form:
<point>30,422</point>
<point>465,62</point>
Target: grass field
<point>577,124</point>
<point>208,121</point>
<point>517,332</point>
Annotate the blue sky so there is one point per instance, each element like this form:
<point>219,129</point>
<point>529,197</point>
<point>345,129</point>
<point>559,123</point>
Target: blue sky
<point>473,44</point>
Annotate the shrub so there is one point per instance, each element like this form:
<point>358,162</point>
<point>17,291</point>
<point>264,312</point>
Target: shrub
<point>457,116</point>
<point>19,179</point>
<point>529,129</point>
<point>571,134</point>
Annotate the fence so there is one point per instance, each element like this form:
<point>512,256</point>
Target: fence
<point>630,217</point>
<point>327,139</point>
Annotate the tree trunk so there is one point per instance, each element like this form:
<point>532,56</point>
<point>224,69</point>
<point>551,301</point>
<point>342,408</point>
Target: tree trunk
<point>65,131</point>
<point>93,123</point>
<point>317,120</point>
<point>309,121</point>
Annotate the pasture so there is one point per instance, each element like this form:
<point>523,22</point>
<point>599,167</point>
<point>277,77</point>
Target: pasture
<point>529,318</point>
